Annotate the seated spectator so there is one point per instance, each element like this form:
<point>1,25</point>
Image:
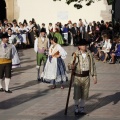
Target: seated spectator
<point>96,45</point>
<point>116,53</point>
<point>106,47</point>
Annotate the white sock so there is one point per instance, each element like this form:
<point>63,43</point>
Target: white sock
<point>82,103</point>
<point>7,81</point>
<point>1,83</point>
<point>76,102</point>
<point>38,76</point>
<point>76,105</point>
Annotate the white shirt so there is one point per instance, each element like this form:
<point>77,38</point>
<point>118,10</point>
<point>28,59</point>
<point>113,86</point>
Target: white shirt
<point>84,62</point>
<point>42,38</point>
<point>107,44</point>
<point>15,29</point>
<point>84,55</point>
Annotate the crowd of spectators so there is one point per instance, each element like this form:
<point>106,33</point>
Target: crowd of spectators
<point>103,37</point>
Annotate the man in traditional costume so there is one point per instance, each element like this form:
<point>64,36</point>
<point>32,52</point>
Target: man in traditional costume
<point>55,70</point>
<point>41,46</point>
<point>83,66</point>
<point>5,63</point>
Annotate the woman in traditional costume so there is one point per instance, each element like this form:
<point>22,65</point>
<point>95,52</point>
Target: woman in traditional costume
<point>23,31</point>
<point>55,70</point>
<point>58,35</point>
<point>15,58</point>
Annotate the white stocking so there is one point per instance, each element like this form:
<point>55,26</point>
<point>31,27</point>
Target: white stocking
<point>76,102</point>
<point>82,103</point>
<point>1,83</point>
<point>7,81</point>
<point>38,74</point>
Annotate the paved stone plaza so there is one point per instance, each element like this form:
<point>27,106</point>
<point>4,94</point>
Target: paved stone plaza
<point>31,100</point>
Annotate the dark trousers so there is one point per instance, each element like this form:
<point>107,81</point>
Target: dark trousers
<point>75,40</point>
<point>5,70</point>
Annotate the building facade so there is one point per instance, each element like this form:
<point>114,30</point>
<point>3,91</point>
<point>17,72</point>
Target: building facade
<point>49,11</point>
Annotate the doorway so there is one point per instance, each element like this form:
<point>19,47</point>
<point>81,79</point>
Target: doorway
<point>2,10</point>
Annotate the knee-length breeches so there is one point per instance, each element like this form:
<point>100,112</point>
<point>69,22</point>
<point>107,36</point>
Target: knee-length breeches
<point>81,87</point>
<point>5,70</point>
<point>41,57</point>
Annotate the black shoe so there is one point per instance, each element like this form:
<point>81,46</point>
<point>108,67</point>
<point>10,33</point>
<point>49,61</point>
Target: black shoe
<point>9,91</point>
<point>111,63</point>
<point>2,90</point>
<point>76,113</point>
<point>82,113</point>
<point>39,80</point>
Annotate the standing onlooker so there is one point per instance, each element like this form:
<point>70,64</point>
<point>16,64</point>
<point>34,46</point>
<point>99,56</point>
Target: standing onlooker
<point>5,22</point>
<point>82,30</point>
<point>74,33</point>
<point>102,26</point>
<point>65,33</point>
<point>70,38</point>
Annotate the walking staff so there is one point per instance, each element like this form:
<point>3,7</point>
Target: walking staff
<point>71,81</point>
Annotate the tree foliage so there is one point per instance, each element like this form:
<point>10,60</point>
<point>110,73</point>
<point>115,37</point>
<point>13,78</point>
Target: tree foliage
<point>78,3</point>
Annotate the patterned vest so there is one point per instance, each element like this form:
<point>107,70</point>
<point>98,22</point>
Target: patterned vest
<point>83,64</point>
<point>42,45</point>
<point>6,52</point>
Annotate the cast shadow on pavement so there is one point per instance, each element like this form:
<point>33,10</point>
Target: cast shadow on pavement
<point>17,71</point>
<point>27,61</point>
<point>27,84</point>
<point>90,107</point>
<point>20,99</point>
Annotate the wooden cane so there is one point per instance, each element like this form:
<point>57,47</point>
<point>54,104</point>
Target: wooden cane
<point>71,79</point>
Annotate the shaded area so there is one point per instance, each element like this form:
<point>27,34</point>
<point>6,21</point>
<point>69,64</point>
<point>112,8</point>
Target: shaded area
<point>117,10</point>
<point>27,61</point>
<point>2,10</point>
<point>101,102</point>
<point>27,84</point>
<point>13,102</point>
<point>20,70</point>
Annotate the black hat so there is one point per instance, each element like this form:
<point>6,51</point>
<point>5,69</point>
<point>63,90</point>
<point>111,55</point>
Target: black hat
<point>43,30</point>
<point>83,42</point>
<point>5,35</point>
